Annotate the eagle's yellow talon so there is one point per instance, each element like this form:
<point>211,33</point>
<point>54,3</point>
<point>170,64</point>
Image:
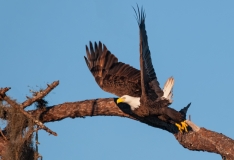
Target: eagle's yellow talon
<point>179,127</point>
<point>182,126</point>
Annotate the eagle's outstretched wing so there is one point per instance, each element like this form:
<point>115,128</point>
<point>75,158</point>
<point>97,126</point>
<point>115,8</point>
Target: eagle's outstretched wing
<point>112,76</point>
<point>149,83</point>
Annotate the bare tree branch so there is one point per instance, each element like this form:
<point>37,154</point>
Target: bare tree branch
<point>206,140</point>
<point>197,139</point>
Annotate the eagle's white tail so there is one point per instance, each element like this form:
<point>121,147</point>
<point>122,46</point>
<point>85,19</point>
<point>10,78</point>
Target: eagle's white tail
<point>168,89</point>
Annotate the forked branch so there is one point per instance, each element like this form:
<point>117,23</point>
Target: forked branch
<point>20,107</point>
<point>39,95</point>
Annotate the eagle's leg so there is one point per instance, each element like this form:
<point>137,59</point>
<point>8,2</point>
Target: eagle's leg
<point>182,126</point>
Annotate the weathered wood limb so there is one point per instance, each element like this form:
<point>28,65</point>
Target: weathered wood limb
<point>199,139</point>
<point>209,141</point>
<point>98,107</point>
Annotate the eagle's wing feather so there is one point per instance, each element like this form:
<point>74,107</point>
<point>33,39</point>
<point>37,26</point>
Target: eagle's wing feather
<point>150,84</point>
<point>112,76</point>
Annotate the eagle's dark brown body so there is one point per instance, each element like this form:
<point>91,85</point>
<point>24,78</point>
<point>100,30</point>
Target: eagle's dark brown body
<point>161,109</point>
<point>121,79</point>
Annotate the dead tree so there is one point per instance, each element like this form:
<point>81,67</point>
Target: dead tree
<point>16,138</point>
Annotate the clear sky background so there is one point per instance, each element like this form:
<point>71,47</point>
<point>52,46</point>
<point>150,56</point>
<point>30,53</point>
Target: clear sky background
<point>44,41</point>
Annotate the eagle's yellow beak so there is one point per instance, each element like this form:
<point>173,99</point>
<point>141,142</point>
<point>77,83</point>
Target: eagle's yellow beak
<point>119,100</point>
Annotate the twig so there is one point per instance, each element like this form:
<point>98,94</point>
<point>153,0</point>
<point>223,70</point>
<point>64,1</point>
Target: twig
<point>3,135</point>
<point>193,126</point>
<point>3,91</point>
<point>39,95</point>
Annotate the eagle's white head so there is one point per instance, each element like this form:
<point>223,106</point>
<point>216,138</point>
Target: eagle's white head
<point>134,102</point>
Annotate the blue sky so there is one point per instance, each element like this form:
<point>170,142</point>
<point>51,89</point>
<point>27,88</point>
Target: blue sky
<point>44,41</point>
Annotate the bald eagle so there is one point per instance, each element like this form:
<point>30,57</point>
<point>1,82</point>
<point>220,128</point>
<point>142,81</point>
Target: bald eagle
<point>139,89</point>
